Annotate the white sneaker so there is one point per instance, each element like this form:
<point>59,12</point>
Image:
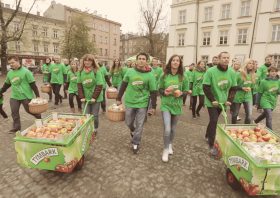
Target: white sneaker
<point>238,118</point>
<point>165,155</point>
<point>170,150</point>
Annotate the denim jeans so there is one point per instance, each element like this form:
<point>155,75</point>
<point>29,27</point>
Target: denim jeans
<point>134,119</point>
<point>214,114</point>
<point>170,123</point>
<point>267,114</point>
<point>93,109</point>
<point>248,112</point>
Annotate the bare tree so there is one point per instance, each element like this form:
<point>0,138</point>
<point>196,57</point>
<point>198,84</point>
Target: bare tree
<point>6,34</point>
<point>153,22</point>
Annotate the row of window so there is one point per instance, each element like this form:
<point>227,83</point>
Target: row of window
<point>36,47</point>
<point>242,36</point>
<point>105,41</point>
<point>245,8</point>
<point>106,52</point>
<point>105,28</point>
<point>44,32</point>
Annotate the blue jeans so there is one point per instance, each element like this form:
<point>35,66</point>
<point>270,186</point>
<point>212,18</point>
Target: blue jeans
<point>93,109</point>
<point>267,114</point>
<point>134,119</point>
<point>170,123</point>
<point>248,111</point>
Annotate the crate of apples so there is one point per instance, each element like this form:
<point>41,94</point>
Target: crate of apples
<point>252,135</point>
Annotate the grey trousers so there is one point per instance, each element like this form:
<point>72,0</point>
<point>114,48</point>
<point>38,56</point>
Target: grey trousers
<point>93,109</point>
<point>134,119</point>
<point>267,114</point>
<point>170,122</point>
<point>15,105</point>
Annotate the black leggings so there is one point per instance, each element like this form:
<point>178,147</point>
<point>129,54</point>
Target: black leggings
<point>103,103</point>
<point>56,89</point>
<point>2,112</point>
<point>71,100</point>
<point>200,105</point>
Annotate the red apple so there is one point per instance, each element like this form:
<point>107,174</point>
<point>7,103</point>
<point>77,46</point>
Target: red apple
<point>263,132</point>
<point>266,137</point>
<point>258,134</point>
<point>257,129</point>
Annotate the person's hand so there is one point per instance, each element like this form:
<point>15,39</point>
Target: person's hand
<point>83,100</point>
<point>119,103</point>
<point>247,89</point>
<point>151,112</point>
<point>228,103</point>
<point>167,92</point>
<point>177,93</point>
<point>189,92</point>
<point>215,103</point>
<point>92,100</point>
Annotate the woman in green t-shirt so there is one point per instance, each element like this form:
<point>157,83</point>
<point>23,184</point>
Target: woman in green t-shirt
<point>172,86</point>
<point>46,72</point>
<point>72,87</point>
<point>246,79</point>
<point>90,85</point>
<point>196,87</point>
<point>269,90</point>
<point>117,73</point>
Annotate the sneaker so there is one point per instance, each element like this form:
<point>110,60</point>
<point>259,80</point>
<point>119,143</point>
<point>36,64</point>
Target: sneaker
<point>165,155</point>
<point>135,148</point>
<point>238,118</point>
<point>170,150</point>
<point>213,151</point>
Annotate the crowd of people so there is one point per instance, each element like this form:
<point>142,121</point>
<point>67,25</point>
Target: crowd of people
<point>143,82</point>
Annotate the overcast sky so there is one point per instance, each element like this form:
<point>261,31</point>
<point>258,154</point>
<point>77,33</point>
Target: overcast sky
<point>124,11</point>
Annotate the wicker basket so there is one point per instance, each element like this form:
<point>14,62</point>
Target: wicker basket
<point>111,94</point>
<point>46,88</point>
<point>38,108</point>
<point>116,116</point>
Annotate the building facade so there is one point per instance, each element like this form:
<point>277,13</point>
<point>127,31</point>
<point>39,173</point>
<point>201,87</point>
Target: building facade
<point>201,29</point>
<point>105,33</point>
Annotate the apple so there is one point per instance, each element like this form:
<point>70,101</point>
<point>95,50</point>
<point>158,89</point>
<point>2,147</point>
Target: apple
<point>272,140</point>
<point>177,93</point>
<point>251,132</point>
<point>258,134</point>
<point>240,136</point>
<point>266,137</point>
<point>233,135</point>
<point>256,129</point>
<point>245,133</point>
<point>246,139</point>
<point>253,139</point>
<point>260,139</point>
<point>263,132</point>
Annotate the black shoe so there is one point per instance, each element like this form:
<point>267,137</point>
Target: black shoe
<point>194,117</point>
<point>13,131</point>
<point>135,148</point>
<point>197,114</point>
<point>60,99</point>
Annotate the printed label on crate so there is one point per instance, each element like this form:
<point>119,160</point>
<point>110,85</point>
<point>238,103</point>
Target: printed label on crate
<point>39,156</point>
<point>236,160</point>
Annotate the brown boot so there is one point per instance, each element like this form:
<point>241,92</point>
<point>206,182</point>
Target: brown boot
<point>72,110</point>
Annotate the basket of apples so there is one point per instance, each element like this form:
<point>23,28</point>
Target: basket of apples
<point>112,93</point>
<point>38,105</point>
<point>46,88</point>
<point>116,113</point>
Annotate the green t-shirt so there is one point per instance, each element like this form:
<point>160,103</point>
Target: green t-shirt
<point>104,73</point>
<point>196,80</point>
<point>89,81</point>
<point>66,68</point>
<point>262,72</point>
<point>57,71</point>
<point>170,103</point>
<point>140,84</point>
<point>220,82</point>
<point>157,71</point>
<point>257,84</point>
<point>20,82</point>
<point>243,96</point>
<point>117,77</point>
<point>45,70</point>
<point>72,79</point>
<point>269,88</point>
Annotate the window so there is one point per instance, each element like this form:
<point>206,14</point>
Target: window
<point>182,16</point>
<point>181,39</point>
<point>16,27</point>
<point>106,40</point>
<point>45,32</point>
<point>276,32</point>
<point>206,38</point>
<point>106,52</point>
<point>208,13</point>
<point>205,58</point>
<point>55,34</point>
<point>17,46</point>
<point>115,41</point>
<point>223,37</point>
<point>242,36</point>
<point>36,47</point>
<point>55,48</point>
<point>245,8</point>
<point>101,52</point>
<point>94,38</point>
<point>277,7</point>
<point>225,11</point>
<point>276,59</point>
<point>46,48</point>
<point>34,30</point>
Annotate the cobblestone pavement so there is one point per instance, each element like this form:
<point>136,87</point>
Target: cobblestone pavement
<point>111,170</point>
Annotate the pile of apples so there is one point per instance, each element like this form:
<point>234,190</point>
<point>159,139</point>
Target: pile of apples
<point>53,129</point>
<point>252,135</point>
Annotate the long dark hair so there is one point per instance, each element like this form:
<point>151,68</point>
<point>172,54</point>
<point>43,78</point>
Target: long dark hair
<point>48,58</point>
<point>180,71</point>
<point>115,67</point>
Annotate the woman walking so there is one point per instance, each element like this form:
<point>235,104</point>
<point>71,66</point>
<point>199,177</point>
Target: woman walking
<point>172,86</point>
<point>117,73</point>
<point>46,72</point>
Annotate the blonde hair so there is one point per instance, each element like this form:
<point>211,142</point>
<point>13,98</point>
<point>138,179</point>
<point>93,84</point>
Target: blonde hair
<point>244,71</point>
<point>89,57</point>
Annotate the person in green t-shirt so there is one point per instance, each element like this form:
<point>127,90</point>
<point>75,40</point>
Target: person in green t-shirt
<point>90,85</point>
<point>67,67</point>
<point>219,86</point>
<point>246,79</point>
<point>172,86</point>
<point>2,112</point>
<point>263,69</point>
<point>139,84</point>
<point>188,73</point>
<point>196,87</point>
<point>57,78</point>
<point>22,82</point>
<point>106,79</point>
<point>117,73</point>
<point>72,87</point>
<point>46,72</point>
<point>269,90</point>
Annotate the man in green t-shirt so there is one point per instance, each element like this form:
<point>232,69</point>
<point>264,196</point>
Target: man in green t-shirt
<point>219,86</point>
<point>23,85</point>
<point>139,84</point>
